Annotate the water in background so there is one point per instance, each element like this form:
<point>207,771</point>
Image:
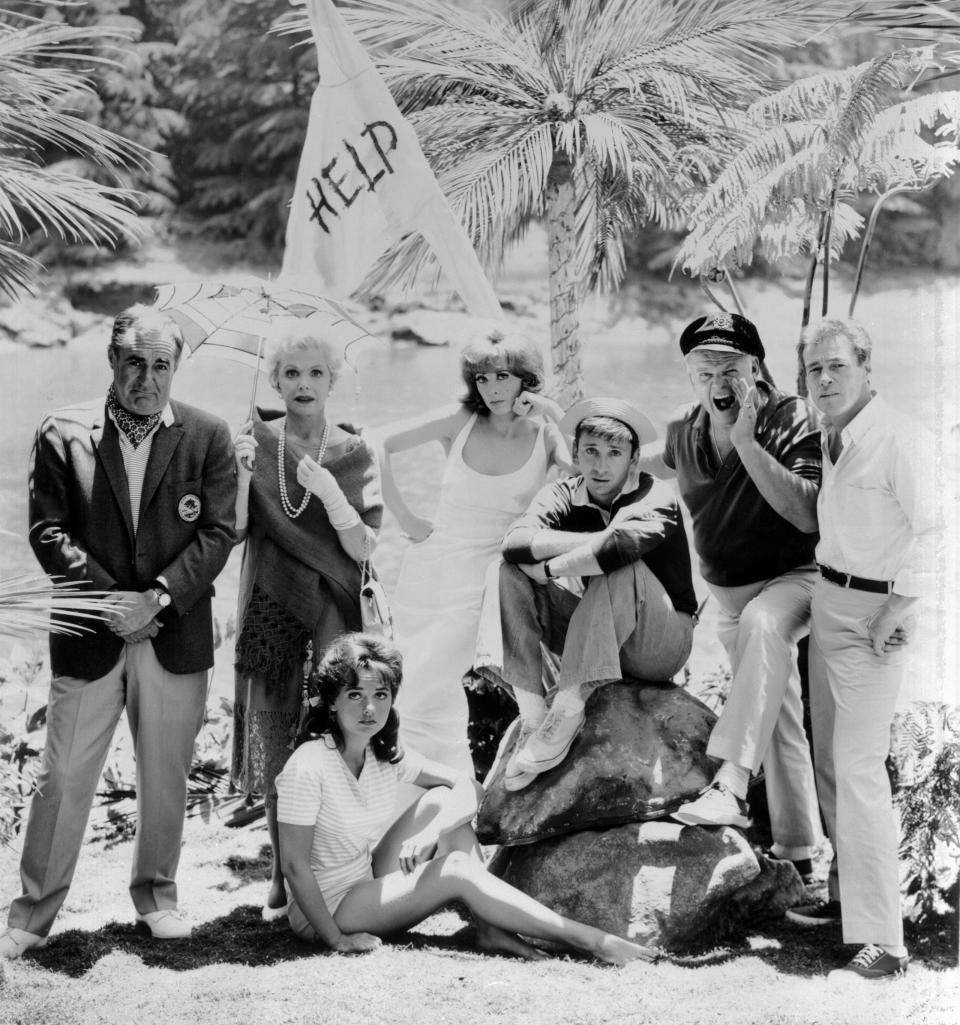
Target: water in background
<point>914,328</point>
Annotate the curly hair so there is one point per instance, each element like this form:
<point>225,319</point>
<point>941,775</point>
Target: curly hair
<point>302,337</point>
<point>339,667</point>
<point>498,348</point>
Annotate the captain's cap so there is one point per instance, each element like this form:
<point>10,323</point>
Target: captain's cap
<point>722,332</point>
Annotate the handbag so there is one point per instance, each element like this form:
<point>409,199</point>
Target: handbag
<point>375,615</point>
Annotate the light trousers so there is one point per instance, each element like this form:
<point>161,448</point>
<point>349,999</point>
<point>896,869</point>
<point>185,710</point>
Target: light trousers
<point>759,625</point>
<point>853,696</point>
<point>623,625</point>
<point>165,713</point>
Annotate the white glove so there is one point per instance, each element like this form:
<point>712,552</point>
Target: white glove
<point>322,483</point>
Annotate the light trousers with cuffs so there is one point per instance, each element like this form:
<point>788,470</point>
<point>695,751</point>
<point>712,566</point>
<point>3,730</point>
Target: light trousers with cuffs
<point>165,712</point>
<point>853,697</point>
<point>761,723</point>
<point>624,625</point>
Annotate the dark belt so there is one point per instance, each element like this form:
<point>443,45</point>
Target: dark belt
<point>857,583</point>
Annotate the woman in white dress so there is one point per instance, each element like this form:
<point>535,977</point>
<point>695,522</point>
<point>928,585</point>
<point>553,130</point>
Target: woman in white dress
<point>500,443</point>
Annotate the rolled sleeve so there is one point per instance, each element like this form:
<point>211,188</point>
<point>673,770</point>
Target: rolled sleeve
<point>637,529</point>
<point>548,510</point>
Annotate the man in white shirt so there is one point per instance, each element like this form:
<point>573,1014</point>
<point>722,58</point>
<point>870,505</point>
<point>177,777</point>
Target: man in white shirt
<point>878,523</point>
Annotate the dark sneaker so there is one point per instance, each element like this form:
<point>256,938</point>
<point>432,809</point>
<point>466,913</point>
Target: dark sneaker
<point>873,963</point>
<point>718,805</point>
<point>815,914</point>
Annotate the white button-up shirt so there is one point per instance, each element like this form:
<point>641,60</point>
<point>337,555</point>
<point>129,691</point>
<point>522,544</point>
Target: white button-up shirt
<point>879,511</point>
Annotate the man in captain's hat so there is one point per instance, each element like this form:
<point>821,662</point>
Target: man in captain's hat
<point>135,497</point>
<point>622,532</point>
<point>747,460</point>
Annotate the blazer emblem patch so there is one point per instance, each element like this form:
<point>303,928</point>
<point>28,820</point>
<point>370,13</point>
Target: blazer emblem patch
<point>189,508</point>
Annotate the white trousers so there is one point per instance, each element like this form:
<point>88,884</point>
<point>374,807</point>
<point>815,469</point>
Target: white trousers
<point>853,695</point>
<point>762,721</point>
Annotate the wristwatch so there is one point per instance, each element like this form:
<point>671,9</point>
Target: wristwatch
<point>162,596</point>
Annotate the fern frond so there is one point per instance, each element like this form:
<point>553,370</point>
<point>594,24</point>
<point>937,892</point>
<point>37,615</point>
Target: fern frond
<point>32,604</point>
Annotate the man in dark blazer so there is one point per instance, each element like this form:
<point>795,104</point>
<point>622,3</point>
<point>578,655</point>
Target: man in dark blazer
<point>135,498</point>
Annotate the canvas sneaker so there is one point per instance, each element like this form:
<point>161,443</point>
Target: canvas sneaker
<point>515,778</point>
<point>549,745</point>
<point>812,915</point>
<point>872,963</point>
<point>718,805</point>
<point>15,943</point>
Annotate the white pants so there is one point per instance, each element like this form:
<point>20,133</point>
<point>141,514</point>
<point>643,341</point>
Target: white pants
<point>762,720</point>
<point>853,695</point>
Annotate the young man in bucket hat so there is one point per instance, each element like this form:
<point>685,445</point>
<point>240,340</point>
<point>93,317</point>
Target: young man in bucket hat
<point>747,460</point>
<point>622,532</point>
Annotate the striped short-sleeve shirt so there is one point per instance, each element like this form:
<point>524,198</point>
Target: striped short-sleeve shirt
<point>349,815</point>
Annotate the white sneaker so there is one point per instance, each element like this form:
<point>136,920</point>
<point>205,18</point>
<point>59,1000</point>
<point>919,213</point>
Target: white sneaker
<point>515,778</point>
<point>15,943</point>
<point>166,924</point>
<point>551,742</point>
<point>718,805</point>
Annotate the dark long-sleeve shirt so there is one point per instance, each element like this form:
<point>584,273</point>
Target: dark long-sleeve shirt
<point>643,523</point>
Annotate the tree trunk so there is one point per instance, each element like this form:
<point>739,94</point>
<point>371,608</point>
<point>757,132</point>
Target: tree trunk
<point>564,286</point>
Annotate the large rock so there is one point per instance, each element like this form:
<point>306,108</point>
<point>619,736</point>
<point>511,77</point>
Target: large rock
<point>641,754</point>
<point>658,883</point>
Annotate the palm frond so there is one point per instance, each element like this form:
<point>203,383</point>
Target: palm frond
<point>919,19</point>
<point>75,208</point>
<point>31,604</point>
<point>17,270</point>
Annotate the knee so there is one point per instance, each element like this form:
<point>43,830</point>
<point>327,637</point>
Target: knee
<point>460,865</point>
<point>759,625</point>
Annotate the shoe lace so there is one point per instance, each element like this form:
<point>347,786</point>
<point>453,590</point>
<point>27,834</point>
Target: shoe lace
<point>867,955</point>
<point>553,724</point>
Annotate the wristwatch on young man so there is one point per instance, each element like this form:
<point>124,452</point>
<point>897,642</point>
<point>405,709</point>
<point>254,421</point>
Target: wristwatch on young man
<point>161,595</point>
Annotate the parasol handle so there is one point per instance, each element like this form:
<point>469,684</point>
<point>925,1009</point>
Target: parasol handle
<point>253,393</point>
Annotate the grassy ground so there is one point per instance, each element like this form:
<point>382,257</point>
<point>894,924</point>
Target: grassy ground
<point>99,969</point>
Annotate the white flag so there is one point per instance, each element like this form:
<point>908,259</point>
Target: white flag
<point>363,181</point>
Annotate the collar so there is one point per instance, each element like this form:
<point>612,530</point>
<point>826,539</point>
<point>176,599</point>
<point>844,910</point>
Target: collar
<point>868,417</point>
<point>581,496</point>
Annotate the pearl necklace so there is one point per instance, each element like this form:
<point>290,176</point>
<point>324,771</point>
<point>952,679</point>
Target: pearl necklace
<point>282,473</point>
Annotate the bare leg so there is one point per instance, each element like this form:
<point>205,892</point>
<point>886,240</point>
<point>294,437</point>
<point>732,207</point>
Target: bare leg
<point>416,817</point>
<point>277,894</point>
<point>394,901</point>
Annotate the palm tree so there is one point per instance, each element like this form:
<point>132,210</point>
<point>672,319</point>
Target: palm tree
<point>817,145</point>
<point>599,116</point>
<point>42,67</point>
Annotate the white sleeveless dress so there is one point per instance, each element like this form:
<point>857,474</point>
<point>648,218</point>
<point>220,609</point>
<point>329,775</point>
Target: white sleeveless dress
<point>436,606</point>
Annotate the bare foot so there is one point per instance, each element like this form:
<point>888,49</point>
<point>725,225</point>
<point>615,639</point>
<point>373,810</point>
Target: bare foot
<point>277,895</point>
<point>499,941</point>
<point>616,950</point>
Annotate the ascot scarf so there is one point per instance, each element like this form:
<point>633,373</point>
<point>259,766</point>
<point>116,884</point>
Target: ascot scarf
<point>135,426</point>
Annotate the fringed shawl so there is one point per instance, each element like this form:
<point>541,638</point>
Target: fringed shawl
<point>300,563</point>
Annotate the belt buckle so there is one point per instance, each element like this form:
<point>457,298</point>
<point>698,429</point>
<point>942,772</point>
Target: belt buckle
<point>847,577</point>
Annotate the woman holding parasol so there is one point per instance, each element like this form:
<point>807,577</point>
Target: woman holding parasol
<point>309,507</point>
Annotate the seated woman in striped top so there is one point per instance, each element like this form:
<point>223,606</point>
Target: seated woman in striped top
<point>353,875</point>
